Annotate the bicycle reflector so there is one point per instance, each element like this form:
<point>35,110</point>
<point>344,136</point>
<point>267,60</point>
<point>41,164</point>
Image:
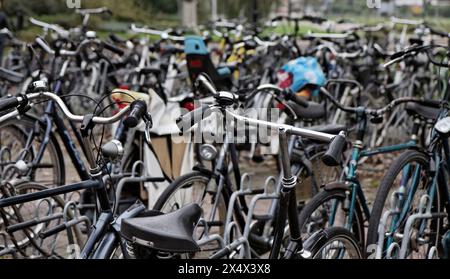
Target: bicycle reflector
<point>188,105</point>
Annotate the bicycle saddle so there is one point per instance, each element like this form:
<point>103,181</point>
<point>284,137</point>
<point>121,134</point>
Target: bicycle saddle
<point>171,232</point>
<point>313,111</point>
<point>430,111</point>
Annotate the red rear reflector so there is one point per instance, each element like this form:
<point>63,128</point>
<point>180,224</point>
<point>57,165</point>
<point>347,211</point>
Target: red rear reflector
<point>189,106</point>
<point>280,106</point>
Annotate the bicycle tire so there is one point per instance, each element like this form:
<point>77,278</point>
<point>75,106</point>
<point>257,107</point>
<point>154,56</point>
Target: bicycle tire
<point>333,235</point>
<point>387,184</point>
<point>53,147</point>
<point>320,199</point>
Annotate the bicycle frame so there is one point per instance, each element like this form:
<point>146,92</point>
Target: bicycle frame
<point>358,152</point>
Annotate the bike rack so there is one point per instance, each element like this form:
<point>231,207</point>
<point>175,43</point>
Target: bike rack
<point>226,247</point>
<point>241,243</point>
<point>424,212</point>
<point>382,225</point>
<point>134,178</point>
<point>209,238</point>
<point>71,219</point>
<point>433,253</point>
<point>7,250</point>
<point>266,195</point>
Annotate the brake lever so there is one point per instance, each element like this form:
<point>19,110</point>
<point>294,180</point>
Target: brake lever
<point>290,109</point>
<point>148,126</point>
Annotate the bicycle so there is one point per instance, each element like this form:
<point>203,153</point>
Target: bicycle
<point>410,212</point>
<point>145,235</point>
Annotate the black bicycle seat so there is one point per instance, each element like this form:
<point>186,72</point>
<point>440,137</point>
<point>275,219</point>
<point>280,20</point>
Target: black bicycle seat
<point>430,111</point>
<point>171,232</point>
<point>313,111</point>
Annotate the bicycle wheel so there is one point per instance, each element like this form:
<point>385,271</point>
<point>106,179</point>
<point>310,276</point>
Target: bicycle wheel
<point>28,242</point>
<point>195,188</point>
<point>336,243</point>
<point>14,134</point>
<point>400,191</point>
<point>328,209</point>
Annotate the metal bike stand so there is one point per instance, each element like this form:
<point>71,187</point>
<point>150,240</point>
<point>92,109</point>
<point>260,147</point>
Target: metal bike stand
<point>71,219</point>
<point>207,238</point>
<point>242,242</point>
<point>75,219</point>
<point>134,178</point>
<point>266,195</point>
<point>246,189</point>
<point>230,225</point>
<point>424,213</point>
<point>382,225</point>
<point>393,249</point>
<point>7,250</point>
<point>433,253</point>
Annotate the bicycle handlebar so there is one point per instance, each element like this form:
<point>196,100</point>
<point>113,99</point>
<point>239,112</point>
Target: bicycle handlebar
<point>101,10</point>
<point>413,51</point>
<point>375,112</point>
<point>344,55</point>
<point>11,102</point>
<point>58,29</point>
<point>63,52</point>
<point>163,34</point>
<point>396,20</point>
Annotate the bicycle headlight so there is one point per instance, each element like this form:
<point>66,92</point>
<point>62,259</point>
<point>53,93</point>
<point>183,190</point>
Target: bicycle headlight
<point>208,152</point>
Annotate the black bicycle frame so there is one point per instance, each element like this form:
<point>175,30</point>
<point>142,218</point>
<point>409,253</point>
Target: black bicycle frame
<point>51,118</point>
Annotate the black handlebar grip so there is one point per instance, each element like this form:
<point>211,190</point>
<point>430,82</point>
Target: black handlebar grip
<point>334,153</point>
<point>189,119</point>
<point>113,48</point>
<point>8,103</point>
<point>296,98</point>
<point>138,108</point>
